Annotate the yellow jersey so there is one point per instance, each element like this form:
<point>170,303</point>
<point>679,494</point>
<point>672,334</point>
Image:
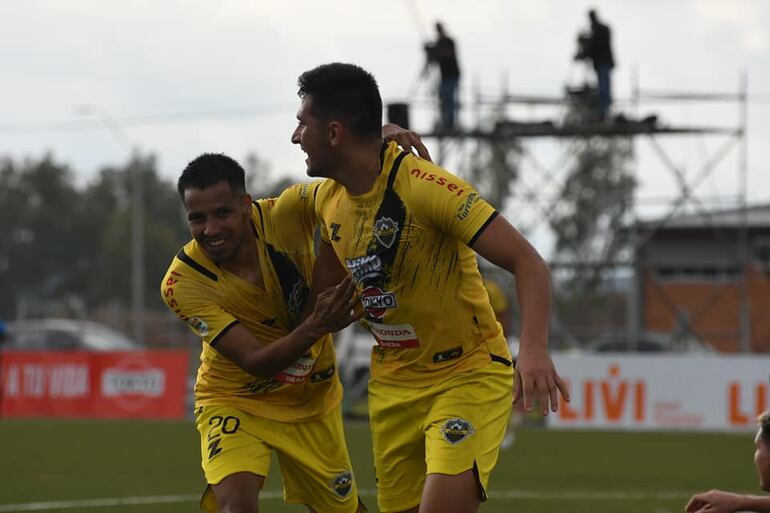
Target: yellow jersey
<point>406,242</point>
<point>212,300</point>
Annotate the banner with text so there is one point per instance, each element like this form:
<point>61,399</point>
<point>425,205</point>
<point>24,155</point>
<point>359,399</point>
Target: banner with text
<point>684,392</point>
<point>144,384</point>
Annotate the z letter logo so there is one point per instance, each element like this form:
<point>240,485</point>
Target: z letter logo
<point>385,230</point>
<point>335,227</point>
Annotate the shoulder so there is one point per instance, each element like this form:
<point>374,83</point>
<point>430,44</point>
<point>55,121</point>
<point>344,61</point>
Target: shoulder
<point>424,177</point>
<point>191,265</point>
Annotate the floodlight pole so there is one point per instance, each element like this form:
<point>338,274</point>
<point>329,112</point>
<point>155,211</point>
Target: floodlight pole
<point>744,316</point>
<point>137,220</point>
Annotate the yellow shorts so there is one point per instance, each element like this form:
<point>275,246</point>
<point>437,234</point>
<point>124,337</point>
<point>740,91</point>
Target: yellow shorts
<point>447,428</point>
<point>313,457</point>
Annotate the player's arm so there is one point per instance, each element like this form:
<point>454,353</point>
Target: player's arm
<point>717,501</point>
<point>334,309</point>
<point>504,246</point>
<point>327,271</point>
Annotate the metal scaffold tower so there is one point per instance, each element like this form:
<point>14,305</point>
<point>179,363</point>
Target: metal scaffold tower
<point>503,147</point>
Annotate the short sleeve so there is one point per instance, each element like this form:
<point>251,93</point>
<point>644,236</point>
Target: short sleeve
<point>292,215</point>
<point>195,304</point>
<point>449,203</point>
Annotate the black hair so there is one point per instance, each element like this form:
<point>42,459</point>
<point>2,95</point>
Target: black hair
<point>344,91</point>
<point>209,169</point>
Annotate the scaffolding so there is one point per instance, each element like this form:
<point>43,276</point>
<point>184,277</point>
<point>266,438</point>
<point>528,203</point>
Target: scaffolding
<point>494,130</point>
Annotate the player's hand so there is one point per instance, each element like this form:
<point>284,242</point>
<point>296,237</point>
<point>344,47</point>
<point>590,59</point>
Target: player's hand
<point>536,379</point>
<point>336,307</point>
<point>407,139</point>
<point>715,501</point>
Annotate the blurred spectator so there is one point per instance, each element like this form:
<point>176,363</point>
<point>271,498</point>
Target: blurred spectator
<point>717,501</point>
<point>502,309</point>
<point>597,47</point>
<point>3,333</point>
<point>443,53</point>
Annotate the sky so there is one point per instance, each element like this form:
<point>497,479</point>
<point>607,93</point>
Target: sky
<point>89,80</point>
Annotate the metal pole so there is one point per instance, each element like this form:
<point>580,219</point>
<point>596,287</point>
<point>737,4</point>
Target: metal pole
<point>137,253</point>
<point>137,220</point>
<point>745,257</point>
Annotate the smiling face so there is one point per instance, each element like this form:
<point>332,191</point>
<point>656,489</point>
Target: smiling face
<point>219,219</point>
<point>312,136</point>
<point>762,460</point>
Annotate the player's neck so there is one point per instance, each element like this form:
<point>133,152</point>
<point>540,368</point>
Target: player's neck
<point>244,263</point>
<point>360,168</point>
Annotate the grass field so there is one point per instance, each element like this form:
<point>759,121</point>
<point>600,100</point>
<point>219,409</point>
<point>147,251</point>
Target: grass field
<point>154,467</point>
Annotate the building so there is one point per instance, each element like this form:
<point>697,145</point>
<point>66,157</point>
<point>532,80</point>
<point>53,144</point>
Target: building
<point>708,275</point>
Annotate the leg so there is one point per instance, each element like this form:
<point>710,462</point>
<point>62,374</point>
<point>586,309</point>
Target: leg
<point>398,442</point>
<point>603,83</point>
<point>235,458</point>
<point>451,494</point>
<point>315,465</point>
<point>239,493</point>
<point>468,417</point>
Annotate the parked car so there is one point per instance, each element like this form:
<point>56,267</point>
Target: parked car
<point>650,342</point>
<point>65,335</point>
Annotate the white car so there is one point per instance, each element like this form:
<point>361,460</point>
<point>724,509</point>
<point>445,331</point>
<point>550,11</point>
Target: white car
<point>65,335</point>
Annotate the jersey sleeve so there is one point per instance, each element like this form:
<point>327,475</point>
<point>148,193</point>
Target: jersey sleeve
<point>449,203</point>
<point>195,304</point>
<point>293,215</point>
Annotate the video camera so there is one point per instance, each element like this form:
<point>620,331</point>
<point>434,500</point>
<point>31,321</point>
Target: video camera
<point>583,52</point>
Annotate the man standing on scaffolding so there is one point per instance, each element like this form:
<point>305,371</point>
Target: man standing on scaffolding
<point>600,53</point>
<point>442,52</point>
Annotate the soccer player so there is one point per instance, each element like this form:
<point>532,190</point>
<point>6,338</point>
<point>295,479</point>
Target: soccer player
<point>717,501</point>
<point>406,229</point>
<point>263,385</point>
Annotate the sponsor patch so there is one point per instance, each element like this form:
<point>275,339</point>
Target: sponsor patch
<point>376,302</point>
<point>456,430</point>
<point>465,209</point>
<point>450,354</point>
<point>394,336</point>
<point>364,267</point>
<point>297,372</point>
<point>199,325</point>
<point>385,230</point>
<point>342,484</point>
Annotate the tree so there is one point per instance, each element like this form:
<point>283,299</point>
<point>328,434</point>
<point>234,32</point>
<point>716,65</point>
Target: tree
<point>594,203</point>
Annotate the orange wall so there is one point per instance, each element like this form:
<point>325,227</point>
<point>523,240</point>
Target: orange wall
<point>713,309</point>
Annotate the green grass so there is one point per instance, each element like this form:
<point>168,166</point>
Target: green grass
<point>44,460</point>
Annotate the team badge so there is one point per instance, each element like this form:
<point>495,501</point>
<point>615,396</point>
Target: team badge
<point>199,325</point>
<point>342,484</point>
<point>385,230</point>
<point>456,430</point>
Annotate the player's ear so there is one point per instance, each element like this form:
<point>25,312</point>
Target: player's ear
<point>336,131</point>
<point>246,202</point>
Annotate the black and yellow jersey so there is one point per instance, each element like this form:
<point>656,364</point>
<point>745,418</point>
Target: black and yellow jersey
<point>211,301</point>
<point>406,242</point>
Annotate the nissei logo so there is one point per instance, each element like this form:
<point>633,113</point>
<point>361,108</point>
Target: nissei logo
<point>376,301</point>
<point>120,382</point>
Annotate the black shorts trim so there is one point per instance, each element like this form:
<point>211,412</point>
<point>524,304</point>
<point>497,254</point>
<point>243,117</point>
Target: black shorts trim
<point>500,359</point>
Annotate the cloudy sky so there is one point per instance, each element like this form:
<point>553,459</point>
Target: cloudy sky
<point>89,79</point>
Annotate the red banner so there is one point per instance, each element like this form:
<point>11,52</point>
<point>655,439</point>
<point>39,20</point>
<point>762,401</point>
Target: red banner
<point>142,384</point>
